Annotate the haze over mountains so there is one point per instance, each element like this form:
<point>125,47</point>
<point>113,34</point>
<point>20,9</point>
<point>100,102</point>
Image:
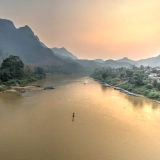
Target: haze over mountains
<point>23,43</point>
<point>63,53</point>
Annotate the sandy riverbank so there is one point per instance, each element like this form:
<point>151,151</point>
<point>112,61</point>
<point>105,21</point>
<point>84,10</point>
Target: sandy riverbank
<point>24,89</point>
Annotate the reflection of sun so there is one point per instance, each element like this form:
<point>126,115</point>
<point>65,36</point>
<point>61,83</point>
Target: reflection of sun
<point>150,113</point>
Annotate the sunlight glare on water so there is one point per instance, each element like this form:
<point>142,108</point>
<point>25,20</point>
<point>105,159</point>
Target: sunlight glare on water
<point>108,124</point>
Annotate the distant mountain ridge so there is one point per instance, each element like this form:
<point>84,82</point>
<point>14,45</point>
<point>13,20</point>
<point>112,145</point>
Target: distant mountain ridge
<point>99,60</point>
<point>116,64</point>
<point>152,62</point>
<point>63,53</point>
<point>25,44</point>
<point>124,62</point>
<point>125,59</point>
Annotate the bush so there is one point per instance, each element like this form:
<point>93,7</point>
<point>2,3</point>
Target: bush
<point>130,89</point>
<point>138,91</point>
<point>3,88</point>
<point>153,95</point>
<point>125,86</point>
<point>149,86</point>
<point>12,82</point>
<point>146,92</point>
<point>146,82</point>
<point>23,82</point>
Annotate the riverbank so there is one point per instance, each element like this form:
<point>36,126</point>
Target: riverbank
<point>132,80</point>
<point>19,89</point>
<point>21,85</point>
<point>136,91</point>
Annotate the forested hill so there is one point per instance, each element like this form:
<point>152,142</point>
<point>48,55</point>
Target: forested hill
<point>24,43</point>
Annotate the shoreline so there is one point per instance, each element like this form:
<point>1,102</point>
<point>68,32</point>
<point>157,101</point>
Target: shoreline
<point>18,89</point>
<point>140,95</point>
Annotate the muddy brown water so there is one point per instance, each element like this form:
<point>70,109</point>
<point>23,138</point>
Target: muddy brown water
<point>108,125</point>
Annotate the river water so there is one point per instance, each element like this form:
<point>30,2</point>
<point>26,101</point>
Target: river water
<point>108,125</point>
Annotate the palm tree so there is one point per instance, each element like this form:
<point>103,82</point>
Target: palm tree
<point>138,79</point>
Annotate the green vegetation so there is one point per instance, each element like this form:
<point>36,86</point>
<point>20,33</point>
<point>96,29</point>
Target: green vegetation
<point>67,68</point>
<point>12,73</point>
<point>134,80</point>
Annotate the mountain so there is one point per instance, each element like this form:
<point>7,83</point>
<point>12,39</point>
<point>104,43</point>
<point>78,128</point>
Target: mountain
<point>152,62</point>
<point>89,63</point>
<point>108,63</point>
<point>63,53</point>
<point>99,60</point>
<point>116,64</point>
<point>125,59</point>
<point>23,43</point>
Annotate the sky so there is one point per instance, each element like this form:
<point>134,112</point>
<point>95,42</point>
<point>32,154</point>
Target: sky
<point>90,29</point>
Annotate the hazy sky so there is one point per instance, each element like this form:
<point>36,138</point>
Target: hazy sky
<point>107,29</point>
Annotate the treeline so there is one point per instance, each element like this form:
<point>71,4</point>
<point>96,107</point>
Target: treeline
<point>67,68</point>
<point>134,80</point>
<point>13,72</point>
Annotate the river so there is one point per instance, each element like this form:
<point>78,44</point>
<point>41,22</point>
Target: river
<point>108,124</point>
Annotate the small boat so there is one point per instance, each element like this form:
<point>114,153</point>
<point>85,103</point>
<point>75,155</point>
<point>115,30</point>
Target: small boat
<point>101,82</point>
<point>36,85</point>
<point>129,93</point>
<point>124,91</point>
<point>106,85</point>
<point>132,94</point>
<point>49,87</point>
<point>117,88</point>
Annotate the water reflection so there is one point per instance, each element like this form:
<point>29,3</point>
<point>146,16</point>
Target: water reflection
<point>140,102</point>
<point>155,106</point>
<point>136,102</point>
<point>11,98</point>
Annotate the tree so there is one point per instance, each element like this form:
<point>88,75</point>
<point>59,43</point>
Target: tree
<point>121,69</point>
<point>12,67</point>
<point>154,83</point>
<point>149,86</point>
<point>148,67</point>
<point>40,70</point>
<point>104,76</point>
<point>142,67</point>
<point>134,67</point>
<point>138,79</point>
<point>129,73</point>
